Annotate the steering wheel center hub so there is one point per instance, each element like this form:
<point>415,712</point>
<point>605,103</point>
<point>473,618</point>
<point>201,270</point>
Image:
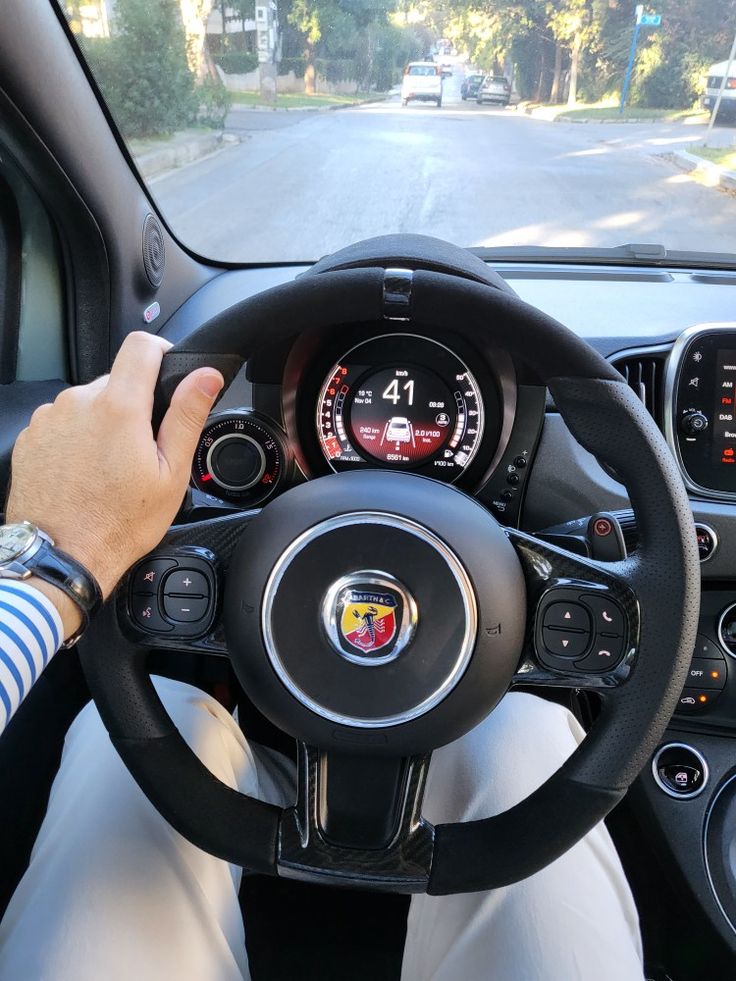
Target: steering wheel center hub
<point>369,617</point>
<point>385,596</point>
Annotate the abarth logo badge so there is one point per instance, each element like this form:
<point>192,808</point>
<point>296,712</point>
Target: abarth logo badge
<point>369,617</point>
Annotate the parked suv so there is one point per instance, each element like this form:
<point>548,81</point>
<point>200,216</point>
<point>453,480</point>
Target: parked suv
<point>495,88</point>
<point>422,80</point>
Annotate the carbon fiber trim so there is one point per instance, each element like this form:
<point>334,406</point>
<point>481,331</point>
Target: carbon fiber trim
<point>214,537</point>
<point>303,853</point>
<point>547,567</point>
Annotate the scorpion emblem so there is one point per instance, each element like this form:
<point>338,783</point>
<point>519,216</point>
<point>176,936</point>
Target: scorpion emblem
<point>369,626</point>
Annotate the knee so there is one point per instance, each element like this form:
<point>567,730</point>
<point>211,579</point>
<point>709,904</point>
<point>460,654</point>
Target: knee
<point>502,760</point>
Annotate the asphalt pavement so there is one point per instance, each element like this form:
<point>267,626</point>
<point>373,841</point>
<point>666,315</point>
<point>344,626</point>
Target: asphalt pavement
<point>302,184</point>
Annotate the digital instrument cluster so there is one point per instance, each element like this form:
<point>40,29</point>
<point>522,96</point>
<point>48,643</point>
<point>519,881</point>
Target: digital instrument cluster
<point>404,402</point>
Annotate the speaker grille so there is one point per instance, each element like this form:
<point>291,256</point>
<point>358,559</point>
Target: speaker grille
<point>154,251</point>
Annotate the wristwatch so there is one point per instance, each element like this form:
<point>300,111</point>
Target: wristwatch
<point>26,551</point>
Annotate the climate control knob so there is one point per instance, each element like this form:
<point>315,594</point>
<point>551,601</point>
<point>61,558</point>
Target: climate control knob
<point>694,423</point>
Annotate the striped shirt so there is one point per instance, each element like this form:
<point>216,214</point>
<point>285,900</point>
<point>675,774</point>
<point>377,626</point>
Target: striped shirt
<point>30,634</point>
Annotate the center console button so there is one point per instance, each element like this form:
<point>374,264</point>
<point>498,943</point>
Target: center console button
<point>705,648</point>
<point>680,771</point>
<point>695,699</point>
<point>707,674</point>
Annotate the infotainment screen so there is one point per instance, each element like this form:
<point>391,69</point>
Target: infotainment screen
<point>701,382</point>
<point>724,417</point>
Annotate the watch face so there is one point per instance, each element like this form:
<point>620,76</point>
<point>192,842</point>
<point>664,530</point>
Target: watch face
<point>15,539</point>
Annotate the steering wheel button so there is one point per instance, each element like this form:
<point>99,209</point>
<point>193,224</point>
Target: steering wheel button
<point>186,609</point>
<point>145,611</point>
<point>605,654</point>
<point>707,674</point>
<point>147,577</point>
<point>567,616</point>
<point>565,643</point>
<point>187,582</point>
<point>607,615</point>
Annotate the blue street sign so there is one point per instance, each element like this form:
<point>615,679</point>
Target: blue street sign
<point>640,20</point>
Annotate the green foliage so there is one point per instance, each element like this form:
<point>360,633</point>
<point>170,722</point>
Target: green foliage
<point>352,40</point>
<point>295,65</point>
<point>214,103</point>
<point>237,62</point>
<point>142,70</point>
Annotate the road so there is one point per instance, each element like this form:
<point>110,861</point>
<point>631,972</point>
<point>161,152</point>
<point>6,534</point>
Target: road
<point>301,184</point>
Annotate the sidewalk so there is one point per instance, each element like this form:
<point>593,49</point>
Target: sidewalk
<point>157,155</point>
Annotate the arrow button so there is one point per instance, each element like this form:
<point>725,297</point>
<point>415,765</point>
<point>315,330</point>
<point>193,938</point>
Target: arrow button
<point>563,643</point>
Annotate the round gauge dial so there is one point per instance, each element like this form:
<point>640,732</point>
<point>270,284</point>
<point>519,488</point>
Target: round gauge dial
<point>404,402</point>
<point>239,458</point>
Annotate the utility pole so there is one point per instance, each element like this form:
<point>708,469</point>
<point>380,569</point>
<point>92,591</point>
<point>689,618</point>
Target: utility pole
<point>724,82</point>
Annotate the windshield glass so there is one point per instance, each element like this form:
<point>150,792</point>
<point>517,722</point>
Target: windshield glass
<point>281,130</point>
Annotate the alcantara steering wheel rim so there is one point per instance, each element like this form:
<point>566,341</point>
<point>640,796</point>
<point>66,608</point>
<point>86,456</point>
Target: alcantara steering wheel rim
<point>662,576</point>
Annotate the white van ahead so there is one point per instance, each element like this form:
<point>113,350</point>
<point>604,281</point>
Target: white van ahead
<point>713,86</point>
<point>422,80</point>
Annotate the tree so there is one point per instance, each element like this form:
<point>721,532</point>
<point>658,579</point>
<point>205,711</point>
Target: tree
<point>143,71</point>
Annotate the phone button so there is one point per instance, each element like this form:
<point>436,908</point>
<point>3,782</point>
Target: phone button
<point>608,619</point>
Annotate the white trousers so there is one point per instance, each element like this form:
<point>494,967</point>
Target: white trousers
<point>113,892</point>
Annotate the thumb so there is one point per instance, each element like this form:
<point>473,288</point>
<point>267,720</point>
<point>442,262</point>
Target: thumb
<point>182,425</point>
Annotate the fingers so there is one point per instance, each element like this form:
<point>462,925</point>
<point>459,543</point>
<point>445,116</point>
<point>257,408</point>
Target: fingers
<point>135,370</point>
<point>182,425</point>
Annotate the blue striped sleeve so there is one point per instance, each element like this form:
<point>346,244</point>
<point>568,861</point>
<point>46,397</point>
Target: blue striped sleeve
<point>30,634</point>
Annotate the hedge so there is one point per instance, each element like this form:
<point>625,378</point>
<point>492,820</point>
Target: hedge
<point>237,62</point>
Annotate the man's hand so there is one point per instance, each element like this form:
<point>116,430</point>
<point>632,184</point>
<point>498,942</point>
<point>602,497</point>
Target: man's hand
<point>88,471</point>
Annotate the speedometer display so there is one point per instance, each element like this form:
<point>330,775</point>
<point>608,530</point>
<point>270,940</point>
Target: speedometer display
<point>400,401</point>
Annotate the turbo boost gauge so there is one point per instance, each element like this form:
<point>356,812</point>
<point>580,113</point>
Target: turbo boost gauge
<point>240,458</point>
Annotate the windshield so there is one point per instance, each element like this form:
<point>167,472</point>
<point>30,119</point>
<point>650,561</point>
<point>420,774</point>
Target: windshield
<point>280,130</point>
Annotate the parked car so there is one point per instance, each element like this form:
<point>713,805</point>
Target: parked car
<point>495,88</point>
<point>727,108</point>
<point>471,86</point>
<point>422,81</point>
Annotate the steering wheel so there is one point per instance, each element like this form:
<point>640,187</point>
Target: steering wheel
<point>470,602</point>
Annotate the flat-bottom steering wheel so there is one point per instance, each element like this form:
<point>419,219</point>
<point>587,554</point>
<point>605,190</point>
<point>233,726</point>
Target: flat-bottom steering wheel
<point>469,601</point>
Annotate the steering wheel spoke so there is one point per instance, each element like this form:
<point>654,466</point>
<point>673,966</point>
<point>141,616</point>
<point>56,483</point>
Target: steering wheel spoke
<point>358,820</point>
<point>172,598</point>
<point>582,618</point>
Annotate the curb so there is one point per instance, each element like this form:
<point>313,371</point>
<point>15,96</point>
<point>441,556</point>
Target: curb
<point>556,116</point>
<point>725,179</point>
<point>177,154</point>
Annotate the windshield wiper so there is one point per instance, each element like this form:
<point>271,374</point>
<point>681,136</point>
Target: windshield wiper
<point>634,253</point>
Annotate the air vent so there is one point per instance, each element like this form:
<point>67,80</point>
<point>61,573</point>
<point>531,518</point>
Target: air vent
<point>643,371</point>
<point>154,251</point>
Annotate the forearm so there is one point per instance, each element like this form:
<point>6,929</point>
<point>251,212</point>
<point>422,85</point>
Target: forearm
<point>32,627</point>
